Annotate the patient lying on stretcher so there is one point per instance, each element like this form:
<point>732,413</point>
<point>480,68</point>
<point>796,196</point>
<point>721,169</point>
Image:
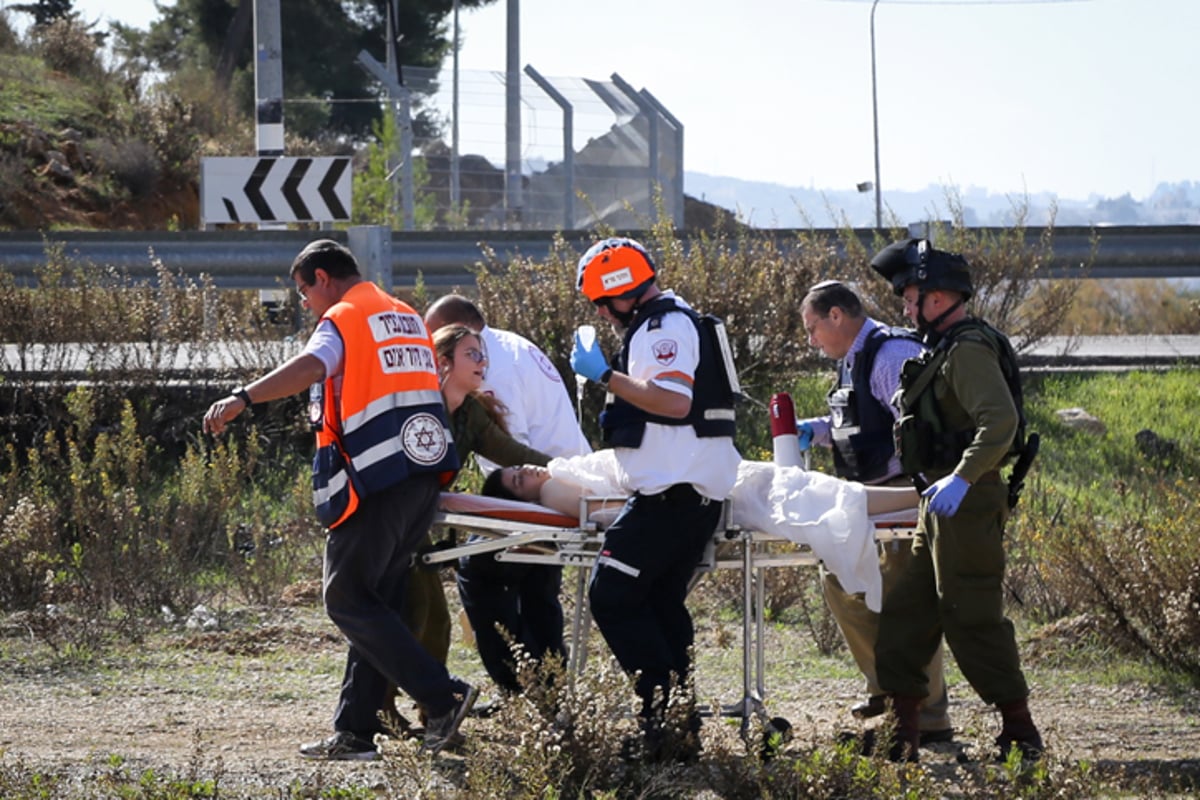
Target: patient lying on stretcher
<point>535,484</point>
<point>831,516</point>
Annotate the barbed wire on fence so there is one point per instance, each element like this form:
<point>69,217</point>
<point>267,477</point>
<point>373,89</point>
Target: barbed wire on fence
<point>591,151</point>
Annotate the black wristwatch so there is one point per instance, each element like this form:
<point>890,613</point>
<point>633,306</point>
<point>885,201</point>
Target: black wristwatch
<point>605,378</point>
<point>241,394</point>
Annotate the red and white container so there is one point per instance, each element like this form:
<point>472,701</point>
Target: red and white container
<point>783,431</point>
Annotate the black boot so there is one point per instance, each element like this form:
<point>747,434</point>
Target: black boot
<point>906,709</point>
<point>903,720</point>
<point>1019,731</point>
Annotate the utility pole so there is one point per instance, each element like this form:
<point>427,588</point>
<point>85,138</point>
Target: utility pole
<point>268,107</point>
<point>512,116</point>
<point>455,178</point>
<point>400,107</point>
<point>875,118</point>
<point>268,78</point>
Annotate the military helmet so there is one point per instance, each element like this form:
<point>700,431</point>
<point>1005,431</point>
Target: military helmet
<point>916,261</point>
<point>615,268</point>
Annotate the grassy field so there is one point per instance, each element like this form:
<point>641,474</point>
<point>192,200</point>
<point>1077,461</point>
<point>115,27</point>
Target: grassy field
<point>171,709</point>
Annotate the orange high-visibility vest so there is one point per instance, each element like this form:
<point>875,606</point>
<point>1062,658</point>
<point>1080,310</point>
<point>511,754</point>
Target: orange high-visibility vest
<point>389,421</point>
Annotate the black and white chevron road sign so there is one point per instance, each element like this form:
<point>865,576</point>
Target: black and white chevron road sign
<point>274,189</point>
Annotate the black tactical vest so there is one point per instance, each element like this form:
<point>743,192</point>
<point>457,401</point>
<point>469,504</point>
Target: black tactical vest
<point>623,424</point>
<point>863,440</point>
<point>923,441</point>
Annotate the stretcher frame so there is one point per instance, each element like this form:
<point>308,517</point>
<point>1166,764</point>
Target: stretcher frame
<point>548,537</point>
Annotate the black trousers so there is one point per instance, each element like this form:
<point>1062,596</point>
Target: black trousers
<point>640,582</point>
<point>523,599</point>
<point>368,559</point>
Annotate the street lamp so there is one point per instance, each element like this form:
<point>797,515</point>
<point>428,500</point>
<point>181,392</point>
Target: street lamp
<point>875,95</point>
<point>875,118</point>
<point>455,177</point>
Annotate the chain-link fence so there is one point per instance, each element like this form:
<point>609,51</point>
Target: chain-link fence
<point>590,152</point>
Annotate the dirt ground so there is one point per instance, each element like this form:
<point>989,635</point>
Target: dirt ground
<point>237,701</point>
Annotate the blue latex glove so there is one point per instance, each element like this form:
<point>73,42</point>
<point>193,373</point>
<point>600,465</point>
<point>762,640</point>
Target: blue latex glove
<point>805,431</point>
<point>590,363</point>
<point>946,495</point>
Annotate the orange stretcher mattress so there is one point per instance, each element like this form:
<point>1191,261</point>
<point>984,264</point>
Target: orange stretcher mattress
<point>499,508</point>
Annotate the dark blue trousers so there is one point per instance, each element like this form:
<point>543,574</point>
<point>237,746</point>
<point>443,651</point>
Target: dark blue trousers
<point>524,600</point>
<point>367,562</point>
<point>640,582</point>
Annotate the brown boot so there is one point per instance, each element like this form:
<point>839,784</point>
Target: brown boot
<point>907,711</point>
<point>1018,731</point>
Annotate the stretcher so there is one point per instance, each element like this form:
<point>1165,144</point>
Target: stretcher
<point>520,532</point>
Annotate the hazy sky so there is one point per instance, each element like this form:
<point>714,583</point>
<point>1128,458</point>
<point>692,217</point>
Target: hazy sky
<point>1075,97</point>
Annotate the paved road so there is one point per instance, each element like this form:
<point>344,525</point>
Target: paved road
<point>165,361</point>
<point>1113,351</point>
<point>181,362</point>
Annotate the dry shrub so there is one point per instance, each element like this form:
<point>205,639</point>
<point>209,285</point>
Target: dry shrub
<point>95,529</point>
<point>1008,293</point>
<point>129,339</point>
<point>560,732</point>
<point>169,123</point>
<point>66,45</point>
<point>173,318</point>
<point>1028,582</point>
<point>1004,267</point>
<point>29,545</point>
<point>569,730</point>
<point>1138,569</point>
<point>131,162</point>
<point>1135,307</point>
<point>15,176</point>
<point>10,42</point>
<point>107,486</point>
<point>188,116</point>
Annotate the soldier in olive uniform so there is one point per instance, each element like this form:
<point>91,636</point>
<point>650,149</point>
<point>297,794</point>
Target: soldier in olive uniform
<point>858,428</point>
<point>959,423</point>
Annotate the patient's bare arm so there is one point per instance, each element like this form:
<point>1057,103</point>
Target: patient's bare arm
<point>561,495</point>
<point>885,499</point>
<point>564,496</point>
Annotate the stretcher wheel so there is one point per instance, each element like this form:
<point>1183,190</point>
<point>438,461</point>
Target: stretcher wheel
<point>777,732</point>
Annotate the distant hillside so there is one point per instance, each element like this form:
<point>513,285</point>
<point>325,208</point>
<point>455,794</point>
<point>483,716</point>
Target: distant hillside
<point>771,205</point>
<point>82,148</point>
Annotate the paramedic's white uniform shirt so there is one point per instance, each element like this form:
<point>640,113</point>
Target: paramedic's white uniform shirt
<point>326,345</point>
<point>672,454</point>
<point>524,379</point>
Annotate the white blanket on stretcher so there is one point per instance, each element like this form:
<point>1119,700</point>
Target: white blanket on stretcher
<point>827,514</point>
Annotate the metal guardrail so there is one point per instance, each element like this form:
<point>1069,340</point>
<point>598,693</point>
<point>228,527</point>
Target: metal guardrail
<point>260,259</point>
<point>191,362</point>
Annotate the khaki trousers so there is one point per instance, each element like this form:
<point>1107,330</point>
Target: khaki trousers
<point>860,628</point>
